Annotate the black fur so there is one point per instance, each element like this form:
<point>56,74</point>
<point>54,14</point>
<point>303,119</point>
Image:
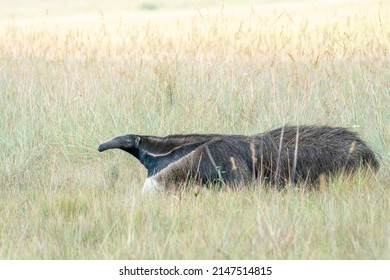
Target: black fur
<point>273,156</point>
<point>321,150</point>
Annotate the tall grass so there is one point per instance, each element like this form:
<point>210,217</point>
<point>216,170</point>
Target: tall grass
<point>68,83</point>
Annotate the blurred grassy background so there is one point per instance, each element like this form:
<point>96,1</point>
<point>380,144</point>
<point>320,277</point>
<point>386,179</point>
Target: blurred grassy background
<point>24,8</point>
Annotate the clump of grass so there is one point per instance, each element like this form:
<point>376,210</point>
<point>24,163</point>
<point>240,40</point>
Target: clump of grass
<point>149,6</point>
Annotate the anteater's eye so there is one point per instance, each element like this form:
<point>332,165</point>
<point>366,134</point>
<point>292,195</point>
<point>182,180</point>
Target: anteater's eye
<point>128,141</point>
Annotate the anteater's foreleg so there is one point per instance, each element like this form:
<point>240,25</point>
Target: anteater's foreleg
<point>209,163</point>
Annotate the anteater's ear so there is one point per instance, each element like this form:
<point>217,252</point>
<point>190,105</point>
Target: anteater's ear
<point>136,141</point>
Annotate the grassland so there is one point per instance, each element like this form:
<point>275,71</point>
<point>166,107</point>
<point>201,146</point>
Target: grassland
<point>70,81</point>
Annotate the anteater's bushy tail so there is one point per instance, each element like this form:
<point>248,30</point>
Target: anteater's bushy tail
<point>304,153</point>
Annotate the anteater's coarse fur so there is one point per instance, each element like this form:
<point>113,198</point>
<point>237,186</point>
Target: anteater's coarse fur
<point>287,154</point>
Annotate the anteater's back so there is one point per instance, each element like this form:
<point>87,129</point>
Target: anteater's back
<point>321,150</point>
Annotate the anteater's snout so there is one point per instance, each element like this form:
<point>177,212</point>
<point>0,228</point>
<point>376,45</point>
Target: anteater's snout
<point>101,148</point>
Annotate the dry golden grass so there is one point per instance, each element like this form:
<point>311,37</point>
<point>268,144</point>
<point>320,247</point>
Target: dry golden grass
<point>70,80</point>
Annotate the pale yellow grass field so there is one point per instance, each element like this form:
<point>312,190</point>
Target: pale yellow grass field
<point>71,80</point>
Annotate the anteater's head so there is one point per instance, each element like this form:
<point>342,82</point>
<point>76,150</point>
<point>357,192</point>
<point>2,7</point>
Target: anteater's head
<point>125,142</point>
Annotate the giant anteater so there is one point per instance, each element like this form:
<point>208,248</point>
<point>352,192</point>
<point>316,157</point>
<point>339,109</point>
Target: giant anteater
<point>287,154</point>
